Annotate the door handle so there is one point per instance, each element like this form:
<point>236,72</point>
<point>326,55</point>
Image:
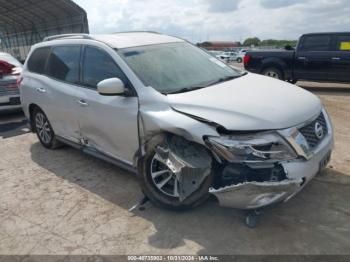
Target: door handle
<point>336,58</point>
<point>82,102</point>
<point>302,58</point>
<point>41,90</point>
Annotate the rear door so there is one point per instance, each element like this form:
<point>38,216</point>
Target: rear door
<point>107,123</point>
<point>341,58</point>
<point>313,57</point>
<point>58,93</point>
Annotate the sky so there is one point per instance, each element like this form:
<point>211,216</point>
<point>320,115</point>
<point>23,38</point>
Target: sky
<point>234,20</point>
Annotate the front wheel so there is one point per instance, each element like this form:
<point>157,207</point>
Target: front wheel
<point>273,72</point>
<point>44,130</point>
<point>162,185</point>
<point>239,60</point>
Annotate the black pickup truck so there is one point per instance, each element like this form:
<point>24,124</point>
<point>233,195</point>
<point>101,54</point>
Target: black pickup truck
<point>321,57</point>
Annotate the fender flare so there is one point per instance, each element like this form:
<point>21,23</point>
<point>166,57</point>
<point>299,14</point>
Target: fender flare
<point>277,63</point>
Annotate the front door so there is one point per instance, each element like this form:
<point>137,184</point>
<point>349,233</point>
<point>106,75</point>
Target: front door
<point>313,58</point>
<point>107,123</point>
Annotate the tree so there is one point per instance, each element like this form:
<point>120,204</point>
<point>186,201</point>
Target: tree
<point>252,41</point>
<point>278,43</point>
<point>205,44</point>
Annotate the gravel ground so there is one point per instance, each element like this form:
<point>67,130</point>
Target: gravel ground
<point>65,202</point>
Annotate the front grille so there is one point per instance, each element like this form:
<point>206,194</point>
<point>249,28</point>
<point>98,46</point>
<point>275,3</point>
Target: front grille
<point>309,133</point>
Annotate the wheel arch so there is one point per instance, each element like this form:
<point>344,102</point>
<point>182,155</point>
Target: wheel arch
<point>277,63</point>
<point>192,194</point>
<point>152,126</point>
<point>158,138</point>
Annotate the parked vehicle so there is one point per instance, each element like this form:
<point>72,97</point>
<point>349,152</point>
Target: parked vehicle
<point>232,56</point>
<point>318,57</point>
<point>224,57</point>
<point>10,69</point>
<point>215,53</point>
<point>241,55</point>
<point>190,126</point>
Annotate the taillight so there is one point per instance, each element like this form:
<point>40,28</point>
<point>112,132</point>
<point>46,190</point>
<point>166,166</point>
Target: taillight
<point>246,60</point>
<point>5,68</point>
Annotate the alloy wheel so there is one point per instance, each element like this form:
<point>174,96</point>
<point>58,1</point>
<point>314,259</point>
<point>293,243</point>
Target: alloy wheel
<point>43,128</point>
<point>163,178</point>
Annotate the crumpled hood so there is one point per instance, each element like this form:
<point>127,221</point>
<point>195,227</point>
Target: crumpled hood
<point>251,102</point>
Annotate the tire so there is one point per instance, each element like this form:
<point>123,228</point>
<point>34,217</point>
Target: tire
<point>162,199</point>
<point>44,131</point>
<point>273,72</point>
<point>293,81</point>
<point>239,60</point>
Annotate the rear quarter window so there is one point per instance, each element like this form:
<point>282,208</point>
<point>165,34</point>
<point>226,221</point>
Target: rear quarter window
<point>37,60</point>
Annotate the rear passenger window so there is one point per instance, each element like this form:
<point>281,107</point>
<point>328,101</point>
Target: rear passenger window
<point>63,63</point>
<point>343,43</point>
<point>98,66</point>
<point>37,60</point>
<point>316,43</point>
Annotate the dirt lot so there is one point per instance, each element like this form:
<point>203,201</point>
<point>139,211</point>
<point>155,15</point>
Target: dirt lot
<point>65,202</point>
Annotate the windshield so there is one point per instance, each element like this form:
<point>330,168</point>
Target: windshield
<point>176,67</point>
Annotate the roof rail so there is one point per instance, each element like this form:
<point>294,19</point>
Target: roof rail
<point>137,31</point>
<point>54,37</point>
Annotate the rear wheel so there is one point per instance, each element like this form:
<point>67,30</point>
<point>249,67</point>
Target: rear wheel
<point>273,72</point>
<point>44,130</point>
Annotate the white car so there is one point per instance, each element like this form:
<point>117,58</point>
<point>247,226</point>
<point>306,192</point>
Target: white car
<point>215,53</point>
<point>10,69</point>
<point>240,56</point>
<point>227,56</point>
<point>189,126</point>
<point>233,55</point>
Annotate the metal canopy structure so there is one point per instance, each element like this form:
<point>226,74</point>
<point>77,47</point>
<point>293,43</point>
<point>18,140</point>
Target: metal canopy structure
<point>24,23</point>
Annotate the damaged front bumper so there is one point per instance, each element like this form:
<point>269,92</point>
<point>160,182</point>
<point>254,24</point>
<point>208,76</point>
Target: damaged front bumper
<point>252,195</point>
<point>298,172</point>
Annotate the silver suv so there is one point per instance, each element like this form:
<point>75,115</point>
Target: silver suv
<point>186,123</point>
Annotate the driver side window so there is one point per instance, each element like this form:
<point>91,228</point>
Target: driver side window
<point>98,66</point>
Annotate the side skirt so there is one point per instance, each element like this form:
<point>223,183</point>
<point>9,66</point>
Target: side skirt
<point>93,152</point>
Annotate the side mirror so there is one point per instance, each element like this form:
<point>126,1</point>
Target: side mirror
<point>111,86</point>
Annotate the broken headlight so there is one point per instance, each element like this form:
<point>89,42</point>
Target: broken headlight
<point>251,148</point>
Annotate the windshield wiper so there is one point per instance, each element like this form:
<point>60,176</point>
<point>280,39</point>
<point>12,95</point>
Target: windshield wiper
<point>186,89</point>
<point>189,89</point>
<point>223,79</point>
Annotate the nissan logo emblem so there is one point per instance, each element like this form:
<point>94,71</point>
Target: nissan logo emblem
<point>319,130</point>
